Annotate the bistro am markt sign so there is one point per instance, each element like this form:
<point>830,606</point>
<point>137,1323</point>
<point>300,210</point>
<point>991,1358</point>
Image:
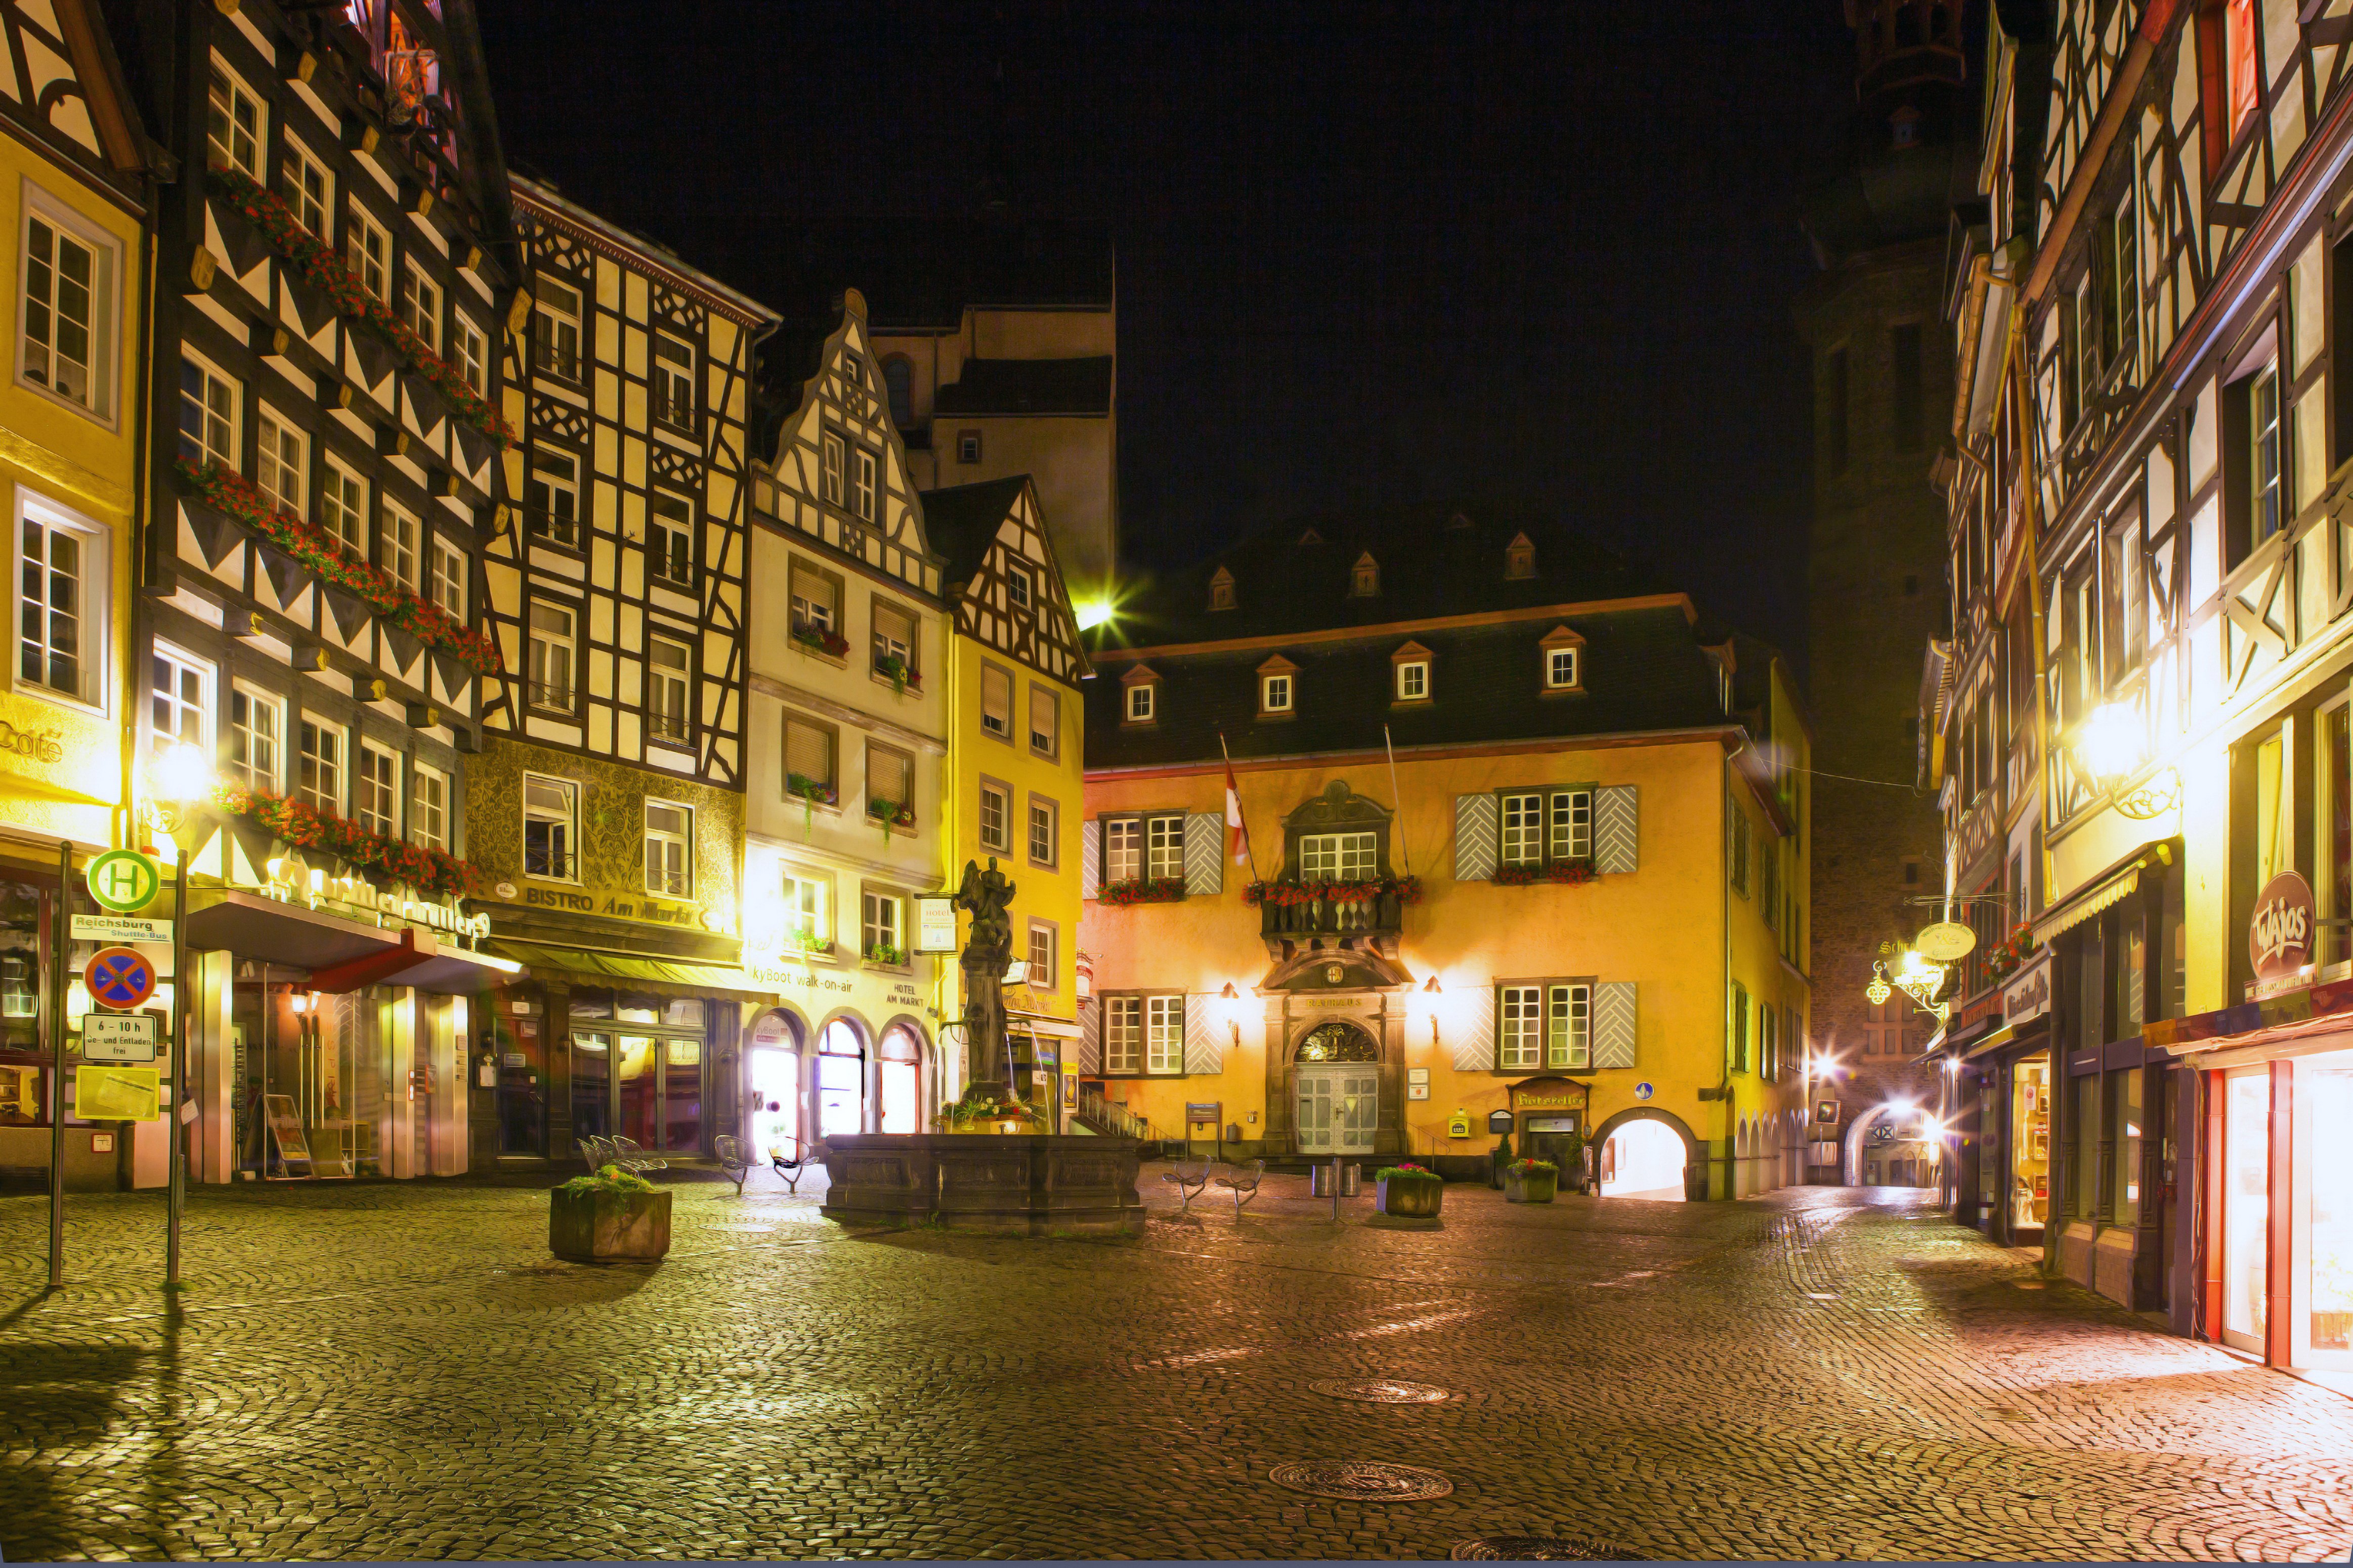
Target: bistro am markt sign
<point>2279,934</point>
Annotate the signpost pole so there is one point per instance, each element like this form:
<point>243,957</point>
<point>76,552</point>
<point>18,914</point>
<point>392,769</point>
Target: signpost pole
<point>179,1049</point>
<point>57,1011</point>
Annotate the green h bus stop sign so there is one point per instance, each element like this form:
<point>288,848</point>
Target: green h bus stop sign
<point>125,880</point>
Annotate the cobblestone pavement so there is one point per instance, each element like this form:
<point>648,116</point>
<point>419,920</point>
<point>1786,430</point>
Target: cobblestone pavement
<point>400,1371</point>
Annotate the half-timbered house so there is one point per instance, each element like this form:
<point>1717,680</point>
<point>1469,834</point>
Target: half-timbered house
<point>608,796</point>
<point>847,739</point>
<point>324,437</point>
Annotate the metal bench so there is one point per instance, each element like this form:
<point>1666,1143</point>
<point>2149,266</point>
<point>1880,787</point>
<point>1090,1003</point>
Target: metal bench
<point>630,1157</point>
<point>728,1150</point>
<point>790,1171</point>
<point>590,1155</point>
<point>1242,1182</point>
<point>1188,1177</point>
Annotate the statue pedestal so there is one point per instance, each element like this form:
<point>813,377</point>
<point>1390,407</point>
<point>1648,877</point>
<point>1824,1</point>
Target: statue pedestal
<point>1006,1185</point>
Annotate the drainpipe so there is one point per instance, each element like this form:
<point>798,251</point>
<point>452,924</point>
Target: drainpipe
<point>1724,991</point>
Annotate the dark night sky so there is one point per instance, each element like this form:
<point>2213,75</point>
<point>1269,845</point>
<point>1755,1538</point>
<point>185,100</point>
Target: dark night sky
<point>1368,253</point>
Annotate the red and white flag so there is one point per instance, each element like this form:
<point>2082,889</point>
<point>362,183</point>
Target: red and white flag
<point>1237,835</point>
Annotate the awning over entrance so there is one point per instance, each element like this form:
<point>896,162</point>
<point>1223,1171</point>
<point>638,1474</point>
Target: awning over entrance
<point>2300,1018</point>
<point>659,974</point>
<point>2102,895</point>
<point>342,955</point>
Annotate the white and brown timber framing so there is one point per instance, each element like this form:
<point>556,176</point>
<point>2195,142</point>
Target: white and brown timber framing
<point>598,412</point>
<point>1042,633</point>
<point>426,170</point>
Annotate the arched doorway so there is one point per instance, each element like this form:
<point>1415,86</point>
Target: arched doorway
<point>1336,1076</point>
<point>840,1088</point>
<point>1644,1156</point>
<point>772,1087</point>
<point>901,1086</point>
<point>1885,1149</point>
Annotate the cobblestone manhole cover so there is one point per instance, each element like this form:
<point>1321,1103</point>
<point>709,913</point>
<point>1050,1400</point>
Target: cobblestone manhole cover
<point>1384,1391</point>
<point>1367,1480</point>
<point>1537,1549</point>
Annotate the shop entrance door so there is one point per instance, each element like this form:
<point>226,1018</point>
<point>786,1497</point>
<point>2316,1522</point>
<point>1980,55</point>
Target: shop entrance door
<point>2030,1149</point>
<point>1339,1106</point>
<point>840,1080</point>
<point>2324,1231</point>
<point>2246,1206</point>
<point>775,1101</point>
<point>901,1072</point>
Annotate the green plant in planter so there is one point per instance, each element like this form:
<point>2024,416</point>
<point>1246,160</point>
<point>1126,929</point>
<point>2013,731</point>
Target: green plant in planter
<point>1409,1191</point>
<point>1531,1181</point>
<point>883,953</point>
<point>610,1217</point>
<point>894,668</point>
<point>979,1110</point>
<point>608,1179</point>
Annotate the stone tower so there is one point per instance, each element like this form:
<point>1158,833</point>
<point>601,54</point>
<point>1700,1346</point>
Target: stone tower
<point>1874,323</point>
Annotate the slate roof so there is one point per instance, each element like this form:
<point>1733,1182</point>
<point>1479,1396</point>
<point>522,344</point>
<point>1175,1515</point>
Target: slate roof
<point>1028,386</point>
<point>961,522</point>
<point>1646,667</point>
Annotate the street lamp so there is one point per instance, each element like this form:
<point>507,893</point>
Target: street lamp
<point>181,780</point>
<point>2111,747</point>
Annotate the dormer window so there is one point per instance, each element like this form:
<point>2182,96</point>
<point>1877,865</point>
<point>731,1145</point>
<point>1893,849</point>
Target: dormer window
<point>1365,577</point>
<point>1221,590</point>
<point>1564,661</point>
<point>1278,687</point>
<point>1016,586</point>
<point>1519,559</point>
<point>1410,674</point>
<point>1139,700</point>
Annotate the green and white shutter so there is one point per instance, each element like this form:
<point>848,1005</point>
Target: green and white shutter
<point>1203,1055</point>
<point>1613,1024</point>
<point>1476,820</point>
<point>1615,838</point>
<point>1090,1035</point>
<point>1091,858</point>
<point>1471,1041</point>
<point>1205,852</point>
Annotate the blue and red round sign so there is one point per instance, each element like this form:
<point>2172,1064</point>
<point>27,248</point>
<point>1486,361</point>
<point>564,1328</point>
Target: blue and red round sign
<point>118,977</point>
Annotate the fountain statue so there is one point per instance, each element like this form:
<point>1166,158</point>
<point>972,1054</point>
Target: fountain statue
<point>989,949</point>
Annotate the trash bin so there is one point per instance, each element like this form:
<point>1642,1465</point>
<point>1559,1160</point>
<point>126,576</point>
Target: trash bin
<point>1319,1180</point>
<point>1351,1178</point>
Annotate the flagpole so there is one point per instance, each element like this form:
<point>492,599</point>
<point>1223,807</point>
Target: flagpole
<point>1405,856</point>
<point>1236,789</point>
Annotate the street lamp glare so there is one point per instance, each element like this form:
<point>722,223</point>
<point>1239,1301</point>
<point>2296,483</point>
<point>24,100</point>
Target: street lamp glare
<point>182,775</point>
<point>2112,743</point>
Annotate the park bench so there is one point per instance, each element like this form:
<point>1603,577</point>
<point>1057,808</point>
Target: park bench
<point>1242,1182</point>
<point>728,1150</point>
<point>791,1169</point>
<point>630,1158</point>
<point>1188,1177</point>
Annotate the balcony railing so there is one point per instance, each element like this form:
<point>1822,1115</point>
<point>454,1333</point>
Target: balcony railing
<point>1383,914</point>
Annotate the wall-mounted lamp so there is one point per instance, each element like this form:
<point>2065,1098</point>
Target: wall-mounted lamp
<point>2110,748</point>
<point>1231,1001</point>
<point>1432,991</point>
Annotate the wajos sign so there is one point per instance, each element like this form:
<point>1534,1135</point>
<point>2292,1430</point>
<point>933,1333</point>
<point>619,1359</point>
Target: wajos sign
<point>2279,936</point>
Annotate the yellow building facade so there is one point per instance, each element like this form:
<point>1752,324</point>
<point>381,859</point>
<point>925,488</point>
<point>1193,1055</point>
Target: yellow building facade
<point>1016,756</point>
<point>1563,897</point>
<point>70,420</point>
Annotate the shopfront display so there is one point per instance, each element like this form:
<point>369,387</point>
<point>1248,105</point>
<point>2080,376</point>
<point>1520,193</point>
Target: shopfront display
<point>2325,1232</point>
<point>901,1073</point>
<point>2246,1206</point>
<point>2029,1148</point>
<point>637,1065</point>
<point>841,1080</point>
<point>773,1089</point>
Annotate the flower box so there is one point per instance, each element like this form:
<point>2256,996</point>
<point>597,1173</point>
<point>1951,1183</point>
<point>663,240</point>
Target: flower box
<point>817,639</point>
<point>1560,873</point>
<point>1404,890</point>
<point>1409,1192</point>
<point>894,668</point>
<point>1531,1181</point>
<point>305,826</point>
<point>1143,890</point>
<point>609,1217</point>
<point>883,952</point>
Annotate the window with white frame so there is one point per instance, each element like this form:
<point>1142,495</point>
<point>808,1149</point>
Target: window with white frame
<point>1571,834</point>
<point>1123,849</point>
<point>670,539</point>
<point>1568,1025</point>
<point>1163,846</point>
<point>551,827</point>
<point>1520,1042</point>
<point>62,601</point>
<point>1044,965</point>
<point>556,319</point>
<point>879,926</point>
<point>669,848</point>
<point>309,190</point>
<point>1274,693</point>
<point>322,779</point>
<point>835,478</point>
<point>343,507</point>
<point>428,807</point>
<point>551,497</point>
<point>894,640</point>
<point>1143,1034</point>
<point>367,251</point>
<point>996,700</point>
<point>997,818</point>
<point>402,535</point>
<point>257,737</point>
<point>283,469</point>
<point>420,305</point>
<point>1541,826</point>
<point>1123,1035</point>
<point>552,646</point>
<point>1560,666</point>
<point>667,667</point>
<point>450,577</point>
<point>66,343</point>
<point>1044,818</point>
<point>861,483</point>
<point>1164,1034</point>
<point>1413,680</point>
<point>1339,856</point>
<point>1045,720</point>
<point>234,123</point>
<point>673,383</point>
<point>473,352</point>
<point>1016,586</point>
<point>1143,702</point>
<point>809,899</point>
<point>208,413</point>
<point>179,701</point>
<point>816,600</point>
<point>379,790</point>
<point>809,751</point>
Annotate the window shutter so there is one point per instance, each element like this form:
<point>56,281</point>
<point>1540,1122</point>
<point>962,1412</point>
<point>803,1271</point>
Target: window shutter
<point>1090,1036</point>
<point>1203,1056</point>
<point>886,776</point>
<point>1471,1041</point>
<point>808,750</point>
<point>1205,852</point>
<point>1091,858</point>
<point>1613,1024</point>
<point>996,701</point>
<point>1475,837</point>
<point>1614,828</point>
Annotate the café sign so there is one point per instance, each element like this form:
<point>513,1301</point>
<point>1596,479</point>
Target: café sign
<point>2279,936</point>
<point>2029,996</point>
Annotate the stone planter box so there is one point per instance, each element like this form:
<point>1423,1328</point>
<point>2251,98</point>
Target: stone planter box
<point>1035,1183</point>
<point>1533,1188</point>
<point>608,1228</point>
<point>1412,1198</point>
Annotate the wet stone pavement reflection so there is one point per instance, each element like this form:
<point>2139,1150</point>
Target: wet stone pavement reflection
<point>403,1372</point>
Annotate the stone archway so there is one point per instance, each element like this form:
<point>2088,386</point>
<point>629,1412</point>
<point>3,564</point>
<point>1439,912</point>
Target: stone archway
<point>1694,1153</point>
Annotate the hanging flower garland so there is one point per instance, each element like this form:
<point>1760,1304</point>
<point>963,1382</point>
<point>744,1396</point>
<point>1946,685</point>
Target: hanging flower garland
<point>305,826</point>
<point>1565,873</point>
<point>428,623</point>
<point>1143,890</point>
<point>1285,895</point>
<point>323,270</point>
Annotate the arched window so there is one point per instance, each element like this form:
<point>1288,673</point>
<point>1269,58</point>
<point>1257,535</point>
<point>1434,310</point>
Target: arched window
<point>899,380</point>
<point>902,1075</point>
